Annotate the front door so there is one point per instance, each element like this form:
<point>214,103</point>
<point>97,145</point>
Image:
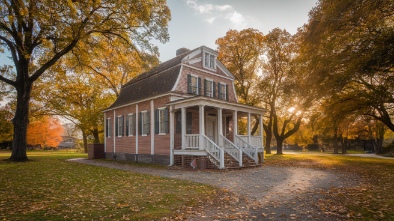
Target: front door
<point>210,127</point>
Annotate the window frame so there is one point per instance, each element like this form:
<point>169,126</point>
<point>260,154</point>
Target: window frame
<point>120,120</point>
<point>145,125</point>
<point>130,124</point>
<point>162,127</point>
<point>194,89</point>
<point>108,127</point>
<point>211,88</point>
<point>209,60</point>
<point>223,87</point>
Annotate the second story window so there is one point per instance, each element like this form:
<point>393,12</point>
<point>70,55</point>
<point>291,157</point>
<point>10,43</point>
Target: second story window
<point>222,91</point>
<point>209,60</point>
<point>193,84</point>
<point>209,88</point>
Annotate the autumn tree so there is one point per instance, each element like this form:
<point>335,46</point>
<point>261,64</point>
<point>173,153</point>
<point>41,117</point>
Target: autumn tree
<point>38,33</point>
<point>111,64</point>
<point>282,92</point>
<point>45,131</point>
<point>348,46</point>
<point>240,52</point>
<point>80,98</point>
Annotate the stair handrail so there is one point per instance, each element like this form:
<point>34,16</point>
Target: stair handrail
<point>214,151</point>
<point>234,151</point>
<point>247,148</point>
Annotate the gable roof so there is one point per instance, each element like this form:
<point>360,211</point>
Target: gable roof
<point>158,80</point>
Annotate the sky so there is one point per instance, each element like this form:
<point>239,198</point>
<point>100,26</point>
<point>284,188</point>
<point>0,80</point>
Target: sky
<point>200,22</point>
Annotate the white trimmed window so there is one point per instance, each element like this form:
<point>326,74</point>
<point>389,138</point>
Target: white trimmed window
<point>108,127</point>
<point>208,88</point>
<point>130,124</point>
<point>222,91</point>
<point>120,125</point>
<point>161,121</point>
<point>194,84</point>
<point>209,60</point>
<point>145,123</point>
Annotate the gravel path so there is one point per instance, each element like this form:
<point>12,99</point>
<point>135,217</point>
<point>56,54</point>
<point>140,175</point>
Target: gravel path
<point>262,193</point>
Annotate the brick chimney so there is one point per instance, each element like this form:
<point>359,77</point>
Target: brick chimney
<point>181,51</point>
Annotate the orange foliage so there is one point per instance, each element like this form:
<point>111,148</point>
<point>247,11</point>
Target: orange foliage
<point>46,131</point>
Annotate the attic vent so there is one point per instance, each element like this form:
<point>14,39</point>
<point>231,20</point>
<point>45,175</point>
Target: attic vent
<point>181,51</point>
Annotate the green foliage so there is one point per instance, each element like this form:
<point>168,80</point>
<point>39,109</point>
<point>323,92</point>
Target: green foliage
<point>49,188</point>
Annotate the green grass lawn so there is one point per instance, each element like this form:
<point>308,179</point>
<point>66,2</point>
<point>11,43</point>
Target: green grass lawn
<point>372,200</point>
<point>49,188</point>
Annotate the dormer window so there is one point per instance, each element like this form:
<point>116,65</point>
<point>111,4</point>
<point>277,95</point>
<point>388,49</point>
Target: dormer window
<point>209,60</point>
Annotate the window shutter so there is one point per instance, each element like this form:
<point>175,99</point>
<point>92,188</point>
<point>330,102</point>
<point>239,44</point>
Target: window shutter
<point>205,87</point>
<point>122,125</point>
<point>148,122</point>
<point>157,121</point>
<point>140,123</point>
<point>106,128</point>
<point>133,124</point>
<point>189,82</point>
<point>214,89</point>
<point>116,126</point>
<point>219,85</point>
<point>226,92</point>
<point>199,86</point>
<point>166,124</point>
<point>127,125</point>
<point>178,122</point>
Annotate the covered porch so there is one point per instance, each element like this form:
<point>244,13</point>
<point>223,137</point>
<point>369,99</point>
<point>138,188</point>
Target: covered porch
<point>223,132</point>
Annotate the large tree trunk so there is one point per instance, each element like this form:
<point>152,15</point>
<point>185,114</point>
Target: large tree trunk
<point>279,146</point>
<point>21,121</point>
<point>85,141</point>
<point>344,144</point>
<point>336,140</point>
<point>95,133</point>
<point>268,138</point>
<point>268,135</point>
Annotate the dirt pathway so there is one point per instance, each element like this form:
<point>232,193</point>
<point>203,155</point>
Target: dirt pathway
<point>262,193</point>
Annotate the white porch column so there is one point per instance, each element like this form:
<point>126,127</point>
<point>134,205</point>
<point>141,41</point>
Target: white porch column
<point>183,126</point>
<point>171,136</point>
<point>235,124</point>
<point>220,127</point>
<point>262,138</point>
<point>248,127</point>
<point>261,131</point>
<point>105,132</point>
<point>201,124</point>
<point>136,131</point>
<point>152,128</point>
<point>114,131</point>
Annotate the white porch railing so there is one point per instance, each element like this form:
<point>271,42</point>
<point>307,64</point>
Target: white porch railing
<point>248,149</point>
<point>255,141</point>
<point>214,151</point>
<point>232,150</point>
<point>192,141</point>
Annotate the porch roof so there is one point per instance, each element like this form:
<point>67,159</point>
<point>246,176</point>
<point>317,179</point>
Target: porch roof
<point>217,103</point>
